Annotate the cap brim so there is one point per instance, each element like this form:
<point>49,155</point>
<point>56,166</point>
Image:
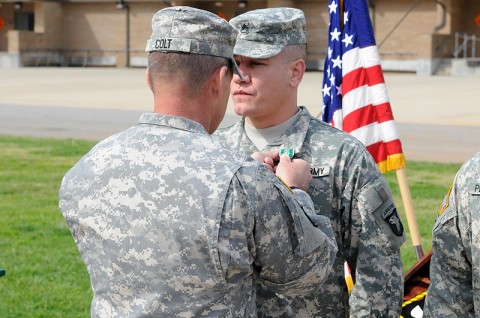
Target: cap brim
<point>256,50</point>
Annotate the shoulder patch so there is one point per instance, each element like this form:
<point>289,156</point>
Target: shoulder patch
<point>390,215</point>
<point>445,202</point>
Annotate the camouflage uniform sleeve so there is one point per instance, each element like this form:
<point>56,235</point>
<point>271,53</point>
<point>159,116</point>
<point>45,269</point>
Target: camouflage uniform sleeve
<point>294,248</point>
<point>454,290</point>
<point>450,292</point>
<point>374,256</point>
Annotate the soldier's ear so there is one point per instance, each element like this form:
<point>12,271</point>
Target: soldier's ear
<point>217,79</point>
<point>149,79</point>
<point>297,69</point>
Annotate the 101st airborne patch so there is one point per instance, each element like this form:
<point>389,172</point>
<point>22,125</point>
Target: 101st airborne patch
<point>390,216</point>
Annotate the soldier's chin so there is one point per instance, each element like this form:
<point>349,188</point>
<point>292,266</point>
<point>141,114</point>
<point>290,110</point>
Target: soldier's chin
<point>243,109</point>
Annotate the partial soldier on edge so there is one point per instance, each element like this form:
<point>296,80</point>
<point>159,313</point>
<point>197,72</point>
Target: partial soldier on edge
<point>454,289</point>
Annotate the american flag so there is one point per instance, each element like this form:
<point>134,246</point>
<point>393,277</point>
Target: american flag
<point>355,96</point>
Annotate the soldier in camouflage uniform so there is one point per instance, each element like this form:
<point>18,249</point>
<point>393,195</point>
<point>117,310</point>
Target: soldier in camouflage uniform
<point>347,186</point>
<point>171,224</point>
<point>454,268</point>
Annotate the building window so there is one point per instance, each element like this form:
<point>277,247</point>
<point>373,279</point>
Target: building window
<point>24,21</point>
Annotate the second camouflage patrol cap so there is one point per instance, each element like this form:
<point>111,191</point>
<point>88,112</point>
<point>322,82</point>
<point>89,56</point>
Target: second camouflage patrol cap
<point>191,30</point>
<point>264,33</point>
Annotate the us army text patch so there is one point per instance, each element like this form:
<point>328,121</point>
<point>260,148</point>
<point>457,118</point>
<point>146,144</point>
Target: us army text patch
<point>320,171</point>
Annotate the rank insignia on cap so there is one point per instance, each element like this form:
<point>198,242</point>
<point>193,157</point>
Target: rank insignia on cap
<point>390,216</point>
<point>445,202</point>
<point>289,152</point>
<point>245,28</point>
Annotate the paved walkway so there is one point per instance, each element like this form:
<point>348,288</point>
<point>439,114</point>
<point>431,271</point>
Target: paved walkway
<point>438,118</point>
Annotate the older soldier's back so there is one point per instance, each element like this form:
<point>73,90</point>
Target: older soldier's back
<point>171,224</point>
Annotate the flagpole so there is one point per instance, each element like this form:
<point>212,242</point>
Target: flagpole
<point>340,2</point>
<point>411,219</point>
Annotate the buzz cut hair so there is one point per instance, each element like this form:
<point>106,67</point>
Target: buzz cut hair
<point>189,70</point>
<point>295,52</point>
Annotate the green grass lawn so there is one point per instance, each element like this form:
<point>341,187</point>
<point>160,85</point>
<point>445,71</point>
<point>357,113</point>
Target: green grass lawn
<point>45,276</point>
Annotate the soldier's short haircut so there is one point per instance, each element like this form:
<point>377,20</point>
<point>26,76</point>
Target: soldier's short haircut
<point>189,70</point>
<point>295,52</point>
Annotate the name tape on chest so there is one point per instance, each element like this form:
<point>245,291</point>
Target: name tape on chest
<point>320,171</point>
<point>475,190</point>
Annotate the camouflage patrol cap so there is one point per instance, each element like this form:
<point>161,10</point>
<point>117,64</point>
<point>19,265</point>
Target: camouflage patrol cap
<point>191,30</point>
<point>264,33</point>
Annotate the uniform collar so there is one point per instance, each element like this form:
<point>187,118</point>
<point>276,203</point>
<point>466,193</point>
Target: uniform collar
<point>171,121</point>
<point>294,136</point>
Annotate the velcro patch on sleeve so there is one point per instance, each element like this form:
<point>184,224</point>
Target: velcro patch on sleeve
<point>445,202</point>
<point>390,215</point>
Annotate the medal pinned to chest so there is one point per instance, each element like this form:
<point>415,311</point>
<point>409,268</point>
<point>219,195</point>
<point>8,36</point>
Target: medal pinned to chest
<point>316,171</point>
<point>290,152</point>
